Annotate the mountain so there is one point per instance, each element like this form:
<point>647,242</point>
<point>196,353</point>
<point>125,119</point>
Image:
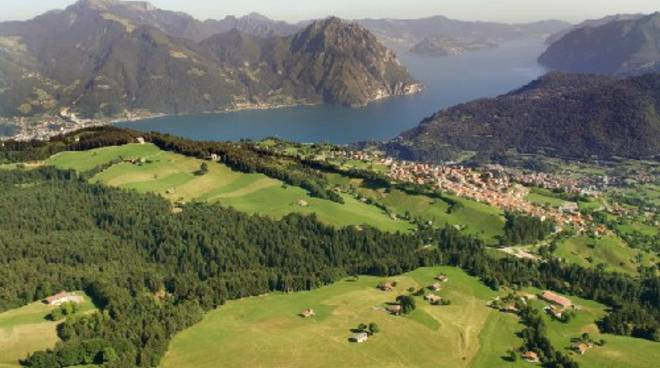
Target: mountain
<point>620,47</point>
<point>408,32</point>
<point>446,46</point>
<point>253,24</point>
<point>561,115</point>
<point>342,63</point>
<point>99,61</point>
<point>591,23</point>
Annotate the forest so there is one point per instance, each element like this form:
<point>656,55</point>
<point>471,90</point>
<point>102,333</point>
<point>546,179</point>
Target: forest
<point>152,272</point>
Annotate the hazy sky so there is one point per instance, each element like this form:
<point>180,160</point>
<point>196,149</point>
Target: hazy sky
<point>294,10</point>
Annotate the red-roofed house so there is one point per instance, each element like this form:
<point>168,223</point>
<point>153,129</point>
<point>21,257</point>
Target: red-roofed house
<point>553,298</point>
<point>63,297</point>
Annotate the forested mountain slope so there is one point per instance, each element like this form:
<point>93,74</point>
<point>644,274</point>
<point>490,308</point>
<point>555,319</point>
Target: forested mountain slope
<point>561,115</point>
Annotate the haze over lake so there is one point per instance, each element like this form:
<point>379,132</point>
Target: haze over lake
<point>448,81</point>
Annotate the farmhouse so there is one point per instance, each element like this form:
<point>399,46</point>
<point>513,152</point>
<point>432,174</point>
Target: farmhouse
<point>554,311</point>
<point>386,286</point>
<point>140,140</point>
<point>509,308</point>
<point>63,297</point>
<point>435,287</point>
<point>359,337</point>
<point>530,356</point>
<point>432,298</point>
<point>581,347</point>
<point>394,309</point>
<point>553,298</point>
<point>307,313</point>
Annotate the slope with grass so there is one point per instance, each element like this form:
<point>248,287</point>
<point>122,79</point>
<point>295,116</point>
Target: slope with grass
<point>266,331</point>
<point>618,351</point>
<point>26,329</point>
<point>174,177</point>
<point>474,218</point>
<point>608,250</point>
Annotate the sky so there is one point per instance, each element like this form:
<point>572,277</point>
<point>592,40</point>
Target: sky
<point>296,10</point>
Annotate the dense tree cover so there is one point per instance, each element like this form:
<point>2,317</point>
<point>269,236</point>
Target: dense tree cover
<point>523,229</point>
<point>570,116</point>
<point>153,273</point>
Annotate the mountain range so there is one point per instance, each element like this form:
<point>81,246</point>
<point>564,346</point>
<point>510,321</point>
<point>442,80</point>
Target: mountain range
<point>106,58</point>
<point>561,115</point>
<point>619,45</point>
<point>408,32</point>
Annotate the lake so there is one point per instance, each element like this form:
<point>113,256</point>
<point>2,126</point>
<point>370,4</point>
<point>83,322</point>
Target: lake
<point>448,81</point>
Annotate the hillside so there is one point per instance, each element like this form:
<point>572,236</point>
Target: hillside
<point>590,23</point>
<point>563,115</point>
<point>620,47</point>
<point>106,58</point>
<point>155,260</point>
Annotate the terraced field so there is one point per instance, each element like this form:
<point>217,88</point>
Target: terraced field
<point>173,176</point>
<point>266,331</point>
<point>25,330</point>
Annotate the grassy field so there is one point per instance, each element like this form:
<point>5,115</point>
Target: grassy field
<point>25,330</point>
<point>476,218</point>
<point>544,197</point>
<point>266,331</point>
<point>173,176</point>
<point>609,250</point>
<point>619,351</point>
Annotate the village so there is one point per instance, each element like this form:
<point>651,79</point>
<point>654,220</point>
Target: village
<point>494,185</point>
<point>47,126</point>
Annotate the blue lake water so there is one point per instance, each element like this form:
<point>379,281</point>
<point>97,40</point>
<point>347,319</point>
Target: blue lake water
<point>448,81</point>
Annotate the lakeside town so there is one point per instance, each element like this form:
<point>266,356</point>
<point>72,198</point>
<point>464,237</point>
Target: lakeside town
<point>506,188</point>
<point>47,126</point>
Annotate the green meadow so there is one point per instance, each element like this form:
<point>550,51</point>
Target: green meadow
<point>25,330</point>
<point>544,197</point>
<point>609,250</point>
<point>266,331</point>
<point>474,218</point>
<point>173,176</point>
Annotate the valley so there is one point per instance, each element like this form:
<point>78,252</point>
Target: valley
<point>185,188</point>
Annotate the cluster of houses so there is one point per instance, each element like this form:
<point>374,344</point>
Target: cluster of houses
<point>500,191</point>
<point>63,297</point>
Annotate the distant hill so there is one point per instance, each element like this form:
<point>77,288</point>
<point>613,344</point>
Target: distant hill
<point>619,47</point>
<point>408,32</point>
<point>447,46</point>
<point>590,23</point>
<point>105,57</point>
<point>561,115</point>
